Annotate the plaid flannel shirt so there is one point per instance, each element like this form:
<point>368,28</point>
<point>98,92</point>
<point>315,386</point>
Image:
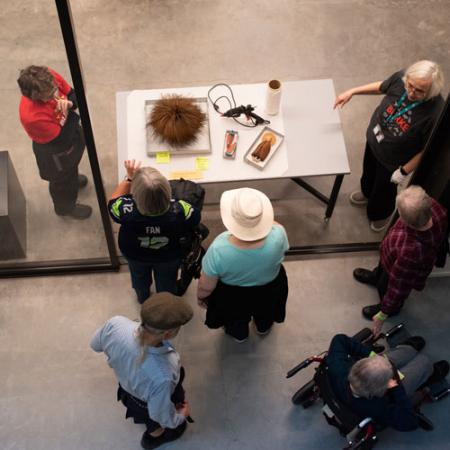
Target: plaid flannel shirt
<point>408,257</point>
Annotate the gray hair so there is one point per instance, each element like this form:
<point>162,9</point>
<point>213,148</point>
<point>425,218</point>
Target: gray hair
<point>151,191</point>
<point>36,83</point>
<point>414,206</point>
<point>425,70</point>
<point>369,377</point>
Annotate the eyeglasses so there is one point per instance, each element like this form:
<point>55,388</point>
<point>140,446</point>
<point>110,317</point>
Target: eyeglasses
<point>411,87</point>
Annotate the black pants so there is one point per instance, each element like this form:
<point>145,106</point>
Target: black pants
<point>377,187</point>
<point>58,164</point>
<point>380,280</point>
<point>235,306</point>
<point>64,191</point>
<point>137,409</point>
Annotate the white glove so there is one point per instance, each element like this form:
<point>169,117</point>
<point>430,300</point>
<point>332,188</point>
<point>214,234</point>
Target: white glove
<point>397,177</point>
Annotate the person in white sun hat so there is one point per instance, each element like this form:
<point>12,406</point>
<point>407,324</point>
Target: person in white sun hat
<point>242,275</point>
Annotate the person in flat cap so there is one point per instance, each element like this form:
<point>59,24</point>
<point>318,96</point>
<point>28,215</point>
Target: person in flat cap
<point>147,366</point>
<point>242,276</point>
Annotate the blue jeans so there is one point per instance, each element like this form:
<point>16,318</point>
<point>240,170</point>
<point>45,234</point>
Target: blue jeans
<point>164,273</point>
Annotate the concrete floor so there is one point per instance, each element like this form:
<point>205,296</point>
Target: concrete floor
<point>57,394</point>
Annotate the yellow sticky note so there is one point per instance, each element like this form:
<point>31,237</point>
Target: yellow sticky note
<point>201,163</point>
<point>186,174</point>
<point>163,158</point>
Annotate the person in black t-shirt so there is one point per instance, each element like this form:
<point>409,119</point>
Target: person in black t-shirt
<point>396,135</point>
<point>152,225</point>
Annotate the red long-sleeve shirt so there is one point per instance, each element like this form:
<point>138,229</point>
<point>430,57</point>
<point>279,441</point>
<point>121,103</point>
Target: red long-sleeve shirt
<point>40,120</point>
<point>408,257</point>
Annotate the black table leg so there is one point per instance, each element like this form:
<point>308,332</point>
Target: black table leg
<point>333,197</point>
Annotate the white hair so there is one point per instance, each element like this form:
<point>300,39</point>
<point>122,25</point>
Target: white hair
<point>426,70</point>
<point>414,206</point>
<point>369,377</point>
<point>143,331</point>
<point>151,191</point>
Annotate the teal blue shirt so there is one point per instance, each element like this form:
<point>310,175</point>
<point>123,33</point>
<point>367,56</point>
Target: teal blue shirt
<point>246,267</point>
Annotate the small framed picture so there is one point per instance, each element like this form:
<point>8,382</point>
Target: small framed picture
<point>263,148</point>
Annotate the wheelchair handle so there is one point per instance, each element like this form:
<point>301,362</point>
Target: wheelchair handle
<point>303,364</point>
<point>395,329</point>
<point>299,367</point>
<point>441,394</point>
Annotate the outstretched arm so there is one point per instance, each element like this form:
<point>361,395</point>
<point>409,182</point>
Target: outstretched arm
<point>366,89</point>
<point>124,186</point>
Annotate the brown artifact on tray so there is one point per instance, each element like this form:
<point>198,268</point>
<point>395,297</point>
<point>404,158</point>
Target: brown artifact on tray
<point>262,151</point>
<point>176,120</point>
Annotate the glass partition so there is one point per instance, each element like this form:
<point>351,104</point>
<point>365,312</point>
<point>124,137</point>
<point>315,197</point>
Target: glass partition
<point>160,46</point>
<point>147,48</point>
<point>50,218</point>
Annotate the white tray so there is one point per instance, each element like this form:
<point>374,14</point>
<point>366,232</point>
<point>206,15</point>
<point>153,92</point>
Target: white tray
<point>201,146</point>
<point>262,164</point>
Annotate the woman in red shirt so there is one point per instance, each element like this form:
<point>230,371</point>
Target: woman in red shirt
<point>47,114</point>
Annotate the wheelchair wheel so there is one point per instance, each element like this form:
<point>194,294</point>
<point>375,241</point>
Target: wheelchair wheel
<point>366,445</point>
<point>309,402</point>
<point>305,394</point>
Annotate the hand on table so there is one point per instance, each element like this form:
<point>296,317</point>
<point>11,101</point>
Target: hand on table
<point>132,166</point>
<point>342,99</point>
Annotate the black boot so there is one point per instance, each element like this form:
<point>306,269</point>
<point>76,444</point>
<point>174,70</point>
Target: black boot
<point>365,276</point>
<point>79,212</point>
<point>82,181</point>
<point>149,442</point>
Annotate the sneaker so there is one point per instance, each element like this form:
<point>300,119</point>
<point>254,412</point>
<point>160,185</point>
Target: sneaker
<point>440,371</point>
<point>82,181</point>
<point>80,212</point>
<point>263,333</point>
<point>416,342</point>
<point>369,311</point>
<point>357,198</point>
<point>379,225</point>
<point>365,276</point>
<point>239,341</point>
<point>149,442</point>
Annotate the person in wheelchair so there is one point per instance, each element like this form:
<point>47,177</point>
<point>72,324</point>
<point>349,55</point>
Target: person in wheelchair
<point>384,387</point>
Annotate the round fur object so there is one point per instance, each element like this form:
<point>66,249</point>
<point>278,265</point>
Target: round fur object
<point>176,120</point>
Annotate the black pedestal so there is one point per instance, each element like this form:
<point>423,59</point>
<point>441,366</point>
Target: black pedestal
<point>13,218</point>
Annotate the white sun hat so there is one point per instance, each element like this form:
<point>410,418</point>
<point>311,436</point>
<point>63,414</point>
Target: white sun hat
<point>246,213</point>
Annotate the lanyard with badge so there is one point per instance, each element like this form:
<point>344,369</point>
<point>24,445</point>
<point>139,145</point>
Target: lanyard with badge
<point>377,128</point>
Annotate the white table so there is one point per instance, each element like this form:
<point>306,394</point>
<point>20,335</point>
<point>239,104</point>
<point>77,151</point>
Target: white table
<point>313,144</point>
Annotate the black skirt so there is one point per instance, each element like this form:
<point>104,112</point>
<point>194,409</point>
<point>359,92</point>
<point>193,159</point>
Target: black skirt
<point>228,303</point>
<point>137,409</point>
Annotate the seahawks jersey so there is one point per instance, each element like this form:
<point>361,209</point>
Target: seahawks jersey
<point>152,238</point>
